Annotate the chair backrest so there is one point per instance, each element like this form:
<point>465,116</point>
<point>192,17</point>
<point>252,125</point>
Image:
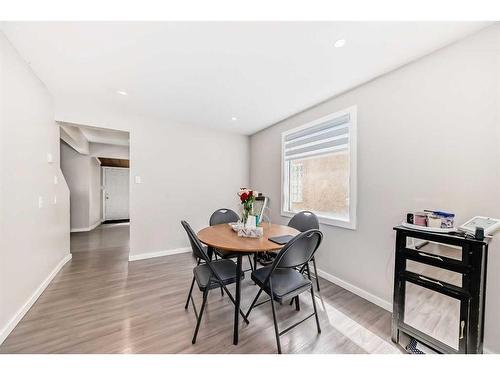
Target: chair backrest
<point>299,250</point>
<point>196,245</point>
<point>223,216</point>
<point>303,221</point>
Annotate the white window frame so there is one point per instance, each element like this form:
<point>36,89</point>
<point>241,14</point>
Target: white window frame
<point>353,175</point>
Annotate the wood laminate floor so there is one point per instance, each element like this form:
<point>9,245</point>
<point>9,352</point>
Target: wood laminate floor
<point>101,303</point>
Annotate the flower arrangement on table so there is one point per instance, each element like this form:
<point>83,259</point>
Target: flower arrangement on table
<point>247,198</point>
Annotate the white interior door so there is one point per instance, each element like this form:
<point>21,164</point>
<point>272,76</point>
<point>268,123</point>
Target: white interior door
<point>116,193</point>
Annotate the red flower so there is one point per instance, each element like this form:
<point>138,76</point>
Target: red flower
<point>244,196</point>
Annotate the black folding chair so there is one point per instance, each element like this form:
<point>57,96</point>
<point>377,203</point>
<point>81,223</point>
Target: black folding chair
<point>283,281</point>
<point>224,216</point>
<point>221,216</point>
<point>209,275</point>
<point>304,221</point>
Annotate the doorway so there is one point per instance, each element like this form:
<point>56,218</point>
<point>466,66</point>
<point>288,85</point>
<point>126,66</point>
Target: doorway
<point>115,194</point>
<point>95,164</point>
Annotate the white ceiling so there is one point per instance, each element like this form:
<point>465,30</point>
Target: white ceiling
<point>205,73</point>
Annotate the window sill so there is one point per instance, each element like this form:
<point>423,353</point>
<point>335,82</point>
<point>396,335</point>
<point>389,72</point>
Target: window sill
<point>328,221</point>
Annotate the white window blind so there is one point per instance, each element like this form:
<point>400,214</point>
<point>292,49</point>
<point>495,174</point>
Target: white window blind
<point>327,137</point>
<point>319,171</point>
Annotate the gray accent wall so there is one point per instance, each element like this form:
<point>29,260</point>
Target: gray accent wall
<point>428,137</point>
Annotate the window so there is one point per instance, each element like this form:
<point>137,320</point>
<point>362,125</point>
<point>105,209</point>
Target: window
<point>319,169</point>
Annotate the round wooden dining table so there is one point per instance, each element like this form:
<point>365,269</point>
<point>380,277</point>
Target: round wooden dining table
<point>223,237</point>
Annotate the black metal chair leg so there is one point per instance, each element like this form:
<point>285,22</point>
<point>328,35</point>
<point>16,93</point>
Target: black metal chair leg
<point>308,271</point>
<point>315,310</point>
<point>205,296</point>
<point>191,289</point>
<point>297,303</point>
<point>276,331</point>
<point>255,261</point>
<point>189,295</point>
<point>253,303</point>
<point>251,263</point>
<point>234,302</point>
<point>315,273</point>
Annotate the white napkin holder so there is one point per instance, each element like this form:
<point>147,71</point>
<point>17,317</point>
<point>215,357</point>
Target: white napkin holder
<point>246,231</point>
<point>255,232</point>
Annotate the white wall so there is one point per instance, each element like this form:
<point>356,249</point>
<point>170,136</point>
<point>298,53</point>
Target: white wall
<point>83,175</point>
<point>186,173</point>
<point>443,108</point>
<point>75,168</point>
<point>109,151</point>
<point>34,242</point>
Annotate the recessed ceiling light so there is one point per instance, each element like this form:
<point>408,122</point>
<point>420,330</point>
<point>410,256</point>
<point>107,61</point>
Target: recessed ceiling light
<point>234,118</point>
<point>121,92</point>
<point>339,43</point>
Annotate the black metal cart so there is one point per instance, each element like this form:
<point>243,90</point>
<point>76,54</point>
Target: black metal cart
<point>439,290</point>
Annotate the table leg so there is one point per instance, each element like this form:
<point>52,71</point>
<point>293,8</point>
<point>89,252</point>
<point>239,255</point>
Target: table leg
<point>238,298</point>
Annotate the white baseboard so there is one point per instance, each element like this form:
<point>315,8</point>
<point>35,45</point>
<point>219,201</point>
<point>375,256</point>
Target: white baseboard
<point>76,230</point>
<point>87,229</point>
<point>155,254</point>
<point>5,331</point>
<point>488,351</point>
<point>356,290</point>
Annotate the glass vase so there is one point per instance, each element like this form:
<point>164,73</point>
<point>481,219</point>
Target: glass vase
<point>247,211</point>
